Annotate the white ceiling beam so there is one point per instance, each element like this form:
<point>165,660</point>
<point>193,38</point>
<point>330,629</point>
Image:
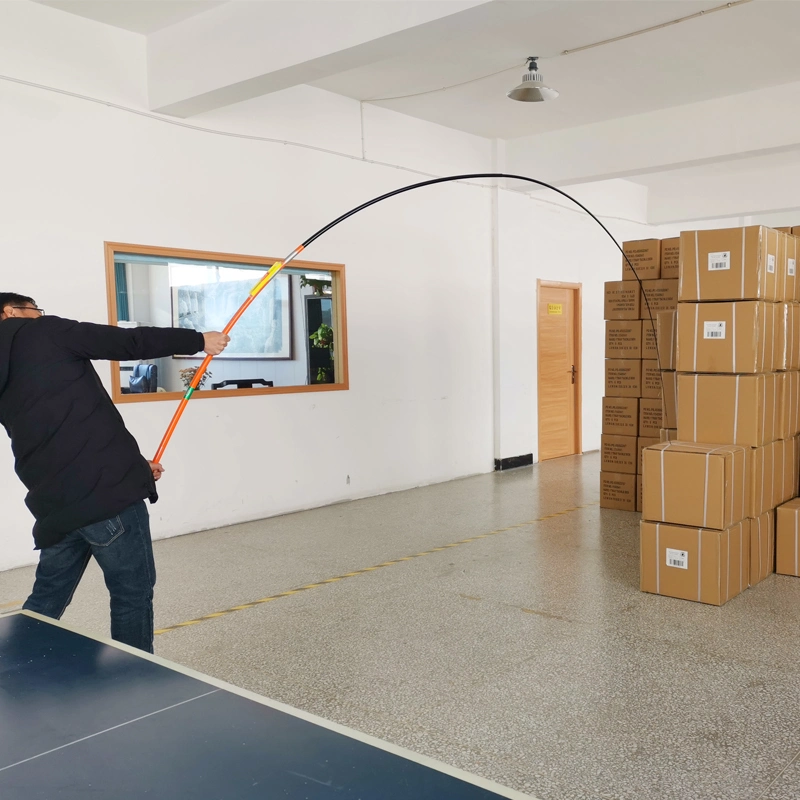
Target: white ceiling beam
<point>689,195</point>
<point>242,50</point>
<point>751,124</point>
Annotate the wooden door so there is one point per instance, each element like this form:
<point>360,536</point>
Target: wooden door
<point>559,369</point>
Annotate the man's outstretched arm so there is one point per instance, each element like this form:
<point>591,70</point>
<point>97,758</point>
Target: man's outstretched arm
<point>109,343</point>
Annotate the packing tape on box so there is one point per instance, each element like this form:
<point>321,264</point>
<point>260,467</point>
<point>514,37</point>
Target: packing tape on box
<point>697,272</point>
<point>658,559</point>
<point>696,326</point>
<point>743,246</point>
<point>758,520</point>
<point>741,558</point>
<point>776,405</point>
<point>694,428</point>
<point>773,521</point>
<point>736,412</point>
<point>733,334</point>
<point>699,562</point>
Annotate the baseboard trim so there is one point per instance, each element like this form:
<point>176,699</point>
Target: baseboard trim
<point>502,464</point>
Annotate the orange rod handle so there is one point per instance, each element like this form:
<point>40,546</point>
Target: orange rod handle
<point>201,370</point>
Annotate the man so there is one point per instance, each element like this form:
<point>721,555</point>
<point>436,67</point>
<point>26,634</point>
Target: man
<point>86,479</point>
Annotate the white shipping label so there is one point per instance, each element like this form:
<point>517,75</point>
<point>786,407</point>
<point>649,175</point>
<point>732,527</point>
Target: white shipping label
<point>677,558</point>
<point>770,263</point>
<point>717,261</point>
<point>714,330</point>
<point>792,267</point>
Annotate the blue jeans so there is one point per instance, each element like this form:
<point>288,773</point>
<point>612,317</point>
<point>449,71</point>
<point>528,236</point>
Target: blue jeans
<point>124,551</point>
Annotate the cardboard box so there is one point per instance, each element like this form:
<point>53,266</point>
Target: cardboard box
<point>651,379</point>
<point>796,468</point>
<point>786,248</point>
<point>780,344</point>
<point>650,415</point>
<point>707,566</point>
<point>667,339</point>
<point>791,402</point>
<point>725,337</point>
<point>668,435</point>
<point>649,346</point>
<point>624,338</point>
<point>796,230</point>
<point>621,416</point>
<point>788,483</point>
<point>761,480</point>
<point>618,490</point>
<point>762,547</point>
<point>669,382</point>
<point>729,409</point>
<point>695,484</point>
<point>793,336</point>
<point>622,300</point>
<point>773,475</point>
<point>792,284</point>
<point>645,256</point>
<point>787,539</point>
<point>660,296</point>
<point>623,377</point>
<point>671,258</point>
<point>619,454</point>
<point>788,417</point>
<point>641,443</point>
<point>729,264</point>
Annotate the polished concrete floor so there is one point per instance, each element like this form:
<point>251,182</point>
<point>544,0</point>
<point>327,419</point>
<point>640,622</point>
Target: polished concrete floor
<point>528,656</point>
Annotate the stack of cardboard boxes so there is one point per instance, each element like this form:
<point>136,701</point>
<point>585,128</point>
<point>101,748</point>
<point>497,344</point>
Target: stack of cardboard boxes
<point>787,526</point>
<point>711,487</point>
<point>634,402</point>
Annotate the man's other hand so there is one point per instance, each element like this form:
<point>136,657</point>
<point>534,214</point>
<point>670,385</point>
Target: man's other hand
<point>158,470</point>
<point>215,342</point>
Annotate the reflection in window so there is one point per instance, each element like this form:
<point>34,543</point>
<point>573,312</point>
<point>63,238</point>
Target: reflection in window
<point>286,337</point>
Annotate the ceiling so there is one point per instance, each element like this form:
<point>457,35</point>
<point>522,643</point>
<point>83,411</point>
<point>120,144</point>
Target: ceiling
<point>736,50</point>
<point>728,52</point>
<point>138,16</point>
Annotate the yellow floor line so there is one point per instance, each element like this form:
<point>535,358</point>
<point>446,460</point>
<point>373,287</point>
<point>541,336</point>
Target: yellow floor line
<point>355,573</point>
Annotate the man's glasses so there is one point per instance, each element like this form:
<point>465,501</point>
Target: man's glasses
<point>30,308</point>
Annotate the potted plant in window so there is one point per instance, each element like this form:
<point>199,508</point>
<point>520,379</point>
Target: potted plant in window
<point>321,286</point>
<point>322,353</point>
<point>187,375</point>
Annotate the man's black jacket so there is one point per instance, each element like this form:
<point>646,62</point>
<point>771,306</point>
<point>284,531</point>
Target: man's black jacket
<point>72,450</point>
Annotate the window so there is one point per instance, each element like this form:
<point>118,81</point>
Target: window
<point>293,338</point>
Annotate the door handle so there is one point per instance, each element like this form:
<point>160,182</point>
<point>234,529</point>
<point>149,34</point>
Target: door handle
<point>573,373</point>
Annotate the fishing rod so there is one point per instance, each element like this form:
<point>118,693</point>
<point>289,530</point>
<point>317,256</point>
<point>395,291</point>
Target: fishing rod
<point>279,265</point>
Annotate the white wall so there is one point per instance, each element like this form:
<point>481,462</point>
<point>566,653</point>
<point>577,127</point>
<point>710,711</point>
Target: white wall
<point>430,275</point>
<point>540,237</point>
<point>419,409</point>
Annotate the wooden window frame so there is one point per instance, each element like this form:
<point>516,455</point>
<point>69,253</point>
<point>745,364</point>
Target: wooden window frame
<point>339,297</point>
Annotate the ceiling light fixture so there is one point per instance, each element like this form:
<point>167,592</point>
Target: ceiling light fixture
<point>532,89</point>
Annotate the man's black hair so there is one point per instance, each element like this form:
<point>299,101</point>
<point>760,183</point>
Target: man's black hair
<point>14,299</point>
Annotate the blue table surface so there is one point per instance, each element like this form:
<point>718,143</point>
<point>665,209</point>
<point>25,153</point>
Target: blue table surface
<point>82,719</point>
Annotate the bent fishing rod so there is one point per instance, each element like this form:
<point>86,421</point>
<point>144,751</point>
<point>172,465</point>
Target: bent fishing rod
<point>279,265</point>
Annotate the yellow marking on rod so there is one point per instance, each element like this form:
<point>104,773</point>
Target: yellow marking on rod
<point>266,279</point>
<point>355,573</point>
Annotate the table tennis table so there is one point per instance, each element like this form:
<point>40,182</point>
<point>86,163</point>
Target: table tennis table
<point>87,718</point>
